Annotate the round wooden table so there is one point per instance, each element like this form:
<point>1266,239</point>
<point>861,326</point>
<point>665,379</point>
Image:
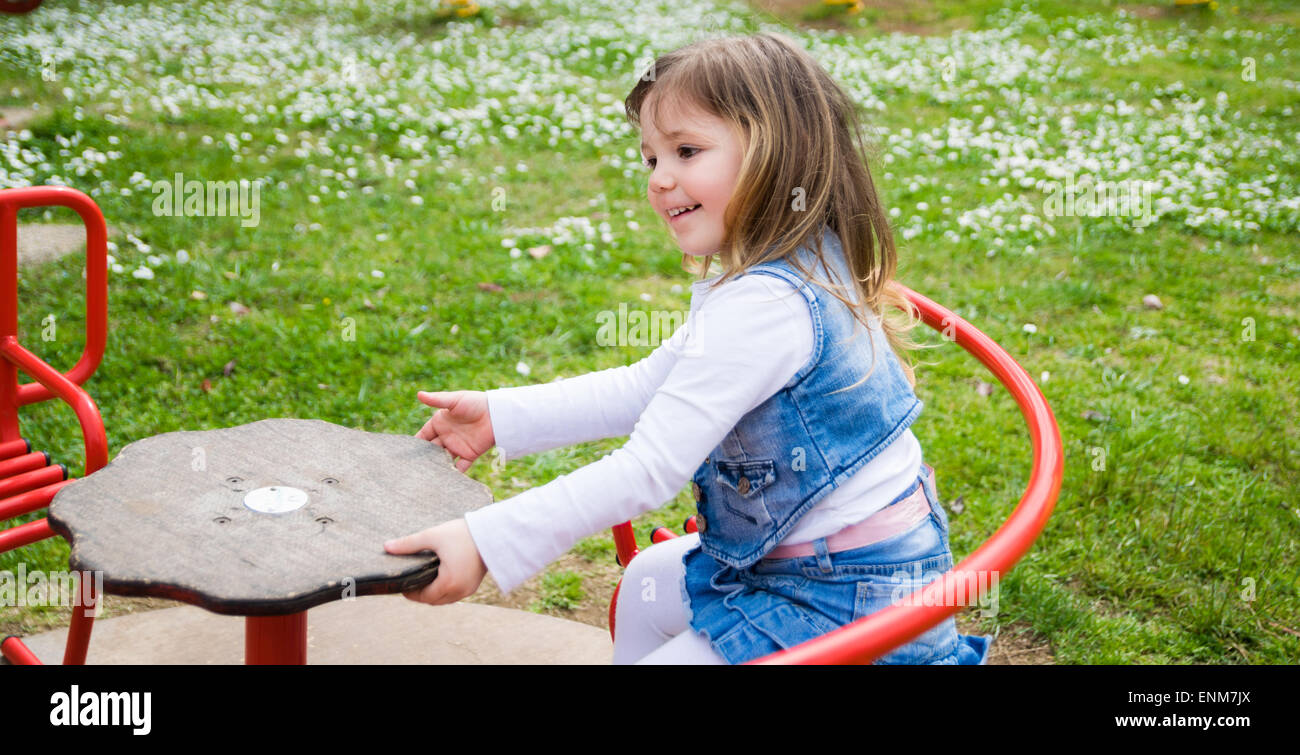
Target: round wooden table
<point>263,520</point>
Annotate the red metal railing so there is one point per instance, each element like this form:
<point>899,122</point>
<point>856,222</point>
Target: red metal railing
<point>873,636</point>
<point>28,481</point>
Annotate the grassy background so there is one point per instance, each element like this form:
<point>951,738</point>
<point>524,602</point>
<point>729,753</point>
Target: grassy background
<point>1174,540</point>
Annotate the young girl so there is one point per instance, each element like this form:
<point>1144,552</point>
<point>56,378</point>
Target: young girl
<point>781,401</point>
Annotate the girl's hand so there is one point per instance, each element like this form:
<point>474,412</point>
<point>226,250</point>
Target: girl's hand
<point>461,424</point>
<point>460,567</point>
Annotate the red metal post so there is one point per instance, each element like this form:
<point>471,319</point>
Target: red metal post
<point>276,640</point>
<point>85,604</point>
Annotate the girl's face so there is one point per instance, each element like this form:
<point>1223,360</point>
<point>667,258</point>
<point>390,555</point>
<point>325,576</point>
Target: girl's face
<point>694,159</point>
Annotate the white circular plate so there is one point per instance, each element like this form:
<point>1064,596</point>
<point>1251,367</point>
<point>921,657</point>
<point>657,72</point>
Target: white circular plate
<point>276,499</point>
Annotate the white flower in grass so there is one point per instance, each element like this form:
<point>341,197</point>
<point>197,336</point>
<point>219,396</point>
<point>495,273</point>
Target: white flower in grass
<point>417,200</point>
<point>522,368</point>
<point>1183,379</point>
<point>1030,328</point>
<point>143,273</point>
<point>376,273</point>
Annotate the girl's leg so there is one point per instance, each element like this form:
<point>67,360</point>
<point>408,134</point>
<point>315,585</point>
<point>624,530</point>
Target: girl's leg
<point>650,610</point>
<point>687,648</point>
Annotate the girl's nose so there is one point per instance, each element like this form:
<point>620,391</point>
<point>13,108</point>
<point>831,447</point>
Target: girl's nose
<point>660,179</point>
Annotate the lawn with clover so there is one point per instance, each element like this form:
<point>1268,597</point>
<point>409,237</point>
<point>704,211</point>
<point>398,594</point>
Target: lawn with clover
<point>451,202</point>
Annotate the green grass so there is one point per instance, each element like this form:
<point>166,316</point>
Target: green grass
<point>560,590</point>
<point>1175,536</point>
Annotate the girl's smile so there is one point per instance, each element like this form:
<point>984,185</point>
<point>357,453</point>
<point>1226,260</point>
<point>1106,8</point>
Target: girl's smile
<point>694,162</point>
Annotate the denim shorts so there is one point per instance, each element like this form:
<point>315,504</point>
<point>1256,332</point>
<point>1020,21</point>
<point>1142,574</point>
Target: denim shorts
<point>776,604</point>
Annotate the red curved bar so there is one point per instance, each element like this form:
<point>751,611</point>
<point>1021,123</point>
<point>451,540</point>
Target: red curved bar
<point>92,425</point>
<point>877,634</point>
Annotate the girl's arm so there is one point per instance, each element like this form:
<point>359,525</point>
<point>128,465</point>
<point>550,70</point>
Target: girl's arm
<point>748,340</point>
<point>604,404</point>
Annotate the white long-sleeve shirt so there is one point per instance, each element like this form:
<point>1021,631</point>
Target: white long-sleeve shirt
<point>742,342</point>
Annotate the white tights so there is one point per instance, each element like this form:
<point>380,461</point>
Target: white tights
<point>650,621</point>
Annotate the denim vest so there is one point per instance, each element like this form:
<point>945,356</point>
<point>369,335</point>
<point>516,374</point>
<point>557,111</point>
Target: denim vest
<point>805,440</point>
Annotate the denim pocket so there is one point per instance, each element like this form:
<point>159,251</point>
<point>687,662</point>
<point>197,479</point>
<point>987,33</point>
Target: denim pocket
<point>743,483</point>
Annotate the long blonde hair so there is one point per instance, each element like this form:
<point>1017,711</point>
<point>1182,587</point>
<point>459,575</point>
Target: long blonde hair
<point>804,167</point>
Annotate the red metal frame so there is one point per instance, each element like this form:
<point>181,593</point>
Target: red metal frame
<point>873,636</point>
<point>25,484</point>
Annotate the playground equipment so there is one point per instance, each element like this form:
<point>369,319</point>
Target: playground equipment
<point>28,480</point>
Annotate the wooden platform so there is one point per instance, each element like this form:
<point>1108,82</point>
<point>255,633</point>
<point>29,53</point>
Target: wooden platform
<point>170,516</point>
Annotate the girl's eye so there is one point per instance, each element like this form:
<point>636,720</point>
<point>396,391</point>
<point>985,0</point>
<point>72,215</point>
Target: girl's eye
<point>649,162</point>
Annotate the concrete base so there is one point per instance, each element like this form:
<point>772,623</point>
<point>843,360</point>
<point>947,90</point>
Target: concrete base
<point>372,630</point>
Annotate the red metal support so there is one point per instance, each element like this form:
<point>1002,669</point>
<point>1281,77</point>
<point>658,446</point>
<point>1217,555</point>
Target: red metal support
<point>276,640</point>
<point>85,605</point>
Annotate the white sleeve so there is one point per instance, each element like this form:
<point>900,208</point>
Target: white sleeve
<point>604,404</point>
<point>744,342</point>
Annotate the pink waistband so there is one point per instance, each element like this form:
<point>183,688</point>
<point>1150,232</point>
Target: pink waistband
<point>882,525</point>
